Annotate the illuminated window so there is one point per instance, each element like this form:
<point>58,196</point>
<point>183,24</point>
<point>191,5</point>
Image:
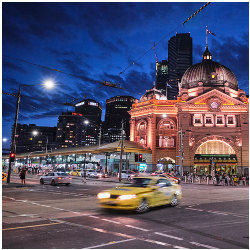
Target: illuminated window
<point>230,120</point>
<point>197,120</point>
<point>209,120</point>
<point>219,120</point>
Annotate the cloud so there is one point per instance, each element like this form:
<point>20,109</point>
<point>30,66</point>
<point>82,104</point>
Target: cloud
<point>12,66</point>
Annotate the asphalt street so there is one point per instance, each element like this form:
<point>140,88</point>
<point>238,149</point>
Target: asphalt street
<point>60,217</point>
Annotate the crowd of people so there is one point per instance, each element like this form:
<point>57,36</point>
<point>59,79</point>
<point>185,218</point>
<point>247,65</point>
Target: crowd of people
<point>219,178</point>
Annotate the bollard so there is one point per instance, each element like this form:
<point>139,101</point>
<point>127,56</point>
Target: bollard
<point>192,179</point>
<point>185,178</point>
<point>207,180</point>
<point>200,179</point>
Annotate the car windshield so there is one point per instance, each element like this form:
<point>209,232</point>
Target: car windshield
<point>62,174</point>
<point>140,182</point>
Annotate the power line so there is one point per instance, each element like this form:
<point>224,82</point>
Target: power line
<point>153,47</point>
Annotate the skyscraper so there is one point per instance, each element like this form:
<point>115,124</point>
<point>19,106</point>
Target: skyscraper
<point>161,75</point>
<point>180,58</point>
<point>117,110</point>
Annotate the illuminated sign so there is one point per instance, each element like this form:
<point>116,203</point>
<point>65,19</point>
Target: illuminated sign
<point>79,104</point>
<point>76,114</point>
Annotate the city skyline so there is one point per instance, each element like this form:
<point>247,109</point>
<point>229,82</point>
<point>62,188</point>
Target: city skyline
<point>97,49</point>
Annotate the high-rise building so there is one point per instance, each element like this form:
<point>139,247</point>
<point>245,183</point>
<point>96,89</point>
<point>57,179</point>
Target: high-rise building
<point>161,75</point>
<point>117,110</point>
<point>180,58</point>
<point>73,130</point>
<point>91,110</point>
<point>30,138</point>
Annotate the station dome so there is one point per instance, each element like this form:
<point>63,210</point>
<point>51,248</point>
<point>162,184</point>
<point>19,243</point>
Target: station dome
<point>210,73</point>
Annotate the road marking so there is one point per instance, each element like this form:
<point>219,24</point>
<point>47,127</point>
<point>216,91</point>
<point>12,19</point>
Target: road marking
<point>142,229</point>
<point>180,247</point>
<point>201,245</point>
<point>169,236</point>
<point>92,216</point>
<point>41,225</point>
<point>217,212</point>
<point>157,242</point>
<point>195,209</point>
<point>111,221</point>
<point>111,243</point>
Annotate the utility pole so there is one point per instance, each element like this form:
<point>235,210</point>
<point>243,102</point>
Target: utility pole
<point>120,167</point>
<point>181,152</point>
<point>13,139</point>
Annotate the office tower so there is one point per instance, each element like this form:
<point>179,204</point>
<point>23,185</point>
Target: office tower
<point>161,75</point>
<point>180,58</point>
<point>117,110</point>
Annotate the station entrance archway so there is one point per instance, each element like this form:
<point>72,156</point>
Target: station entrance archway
<point>166,164</point>
<point>215,156</point>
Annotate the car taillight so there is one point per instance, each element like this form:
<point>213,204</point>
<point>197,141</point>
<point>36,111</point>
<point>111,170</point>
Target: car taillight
<point>59,178</point>
<point>70,178</point>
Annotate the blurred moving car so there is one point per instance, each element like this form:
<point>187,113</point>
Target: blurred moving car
<point>174,177</point>
<point>127,174</point>
<point>75,172</point>
<point>55,178</point>
<point>101,174</point>
<point>142,194</point>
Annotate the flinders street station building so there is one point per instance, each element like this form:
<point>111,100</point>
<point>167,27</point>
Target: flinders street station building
<point>205,130</point>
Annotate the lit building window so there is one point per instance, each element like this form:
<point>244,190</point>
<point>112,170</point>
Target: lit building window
<point>219,120</point>
<point>230,120</point>
<point>197,120</point>
<point>209,120</point>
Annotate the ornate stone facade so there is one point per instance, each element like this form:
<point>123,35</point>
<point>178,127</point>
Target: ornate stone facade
<point>210,117</point>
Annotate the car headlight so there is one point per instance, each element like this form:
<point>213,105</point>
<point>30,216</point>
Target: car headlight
<point>178,192</point>
<point>103,195</point>
<point>127,197</point>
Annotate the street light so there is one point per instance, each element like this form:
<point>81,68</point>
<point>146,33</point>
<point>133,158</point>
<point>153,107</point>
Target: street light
<point>35,133</point>
<point>49,84</point>
<point>13,139</point>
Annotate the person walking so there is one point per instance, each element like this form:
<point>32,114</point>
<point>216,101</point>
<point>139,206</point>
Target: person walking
<point>22,175</point>
<point>84,176</point>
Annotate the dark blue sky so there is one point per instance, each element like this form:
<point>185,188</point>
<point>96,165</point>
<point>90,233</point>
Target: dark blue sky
<point>96,41</point>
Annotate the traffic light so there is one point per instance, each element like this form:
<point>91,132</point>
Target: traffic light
<point>12,157</point>
<point>140,157</point>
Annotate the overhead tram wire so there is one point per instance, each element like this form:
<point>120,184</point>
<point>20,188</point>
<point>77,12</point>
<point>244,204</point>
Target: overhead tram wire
<point>103,83</point>
<point>153,47</point>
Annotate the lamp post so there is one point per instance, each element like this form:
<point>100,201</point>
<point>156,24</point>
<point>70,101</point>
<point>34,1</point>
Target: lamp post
<point>48,84</point>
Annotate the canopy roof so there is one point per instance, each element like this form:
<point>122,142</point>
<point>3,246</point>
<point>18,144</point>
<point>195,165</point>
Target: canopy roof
<point>128,146</point>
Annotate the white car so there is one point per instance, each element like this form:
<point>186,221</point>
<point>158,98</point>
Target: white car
<point>55,178</point>
<point>127,174</point>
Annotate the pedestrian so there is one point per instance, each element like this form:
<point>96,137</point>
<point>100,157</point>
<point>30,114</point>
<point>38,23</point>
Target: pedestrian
<point>220,179</point>
<point>22,175</point>
<point>84,176</point>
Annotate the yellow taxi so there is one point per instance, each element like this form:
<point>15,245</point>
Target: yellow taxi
<point>75,172</point>
<point>142,194</point>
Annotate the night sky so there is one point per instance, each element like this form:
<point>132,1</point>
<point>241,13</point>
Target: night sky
<point>92,42</point>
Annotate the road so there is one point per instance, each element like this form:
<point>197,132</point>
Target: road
<point>61,217</point>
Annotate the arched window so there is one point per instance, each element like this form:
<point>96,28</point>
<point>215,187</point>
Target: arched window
<point>141,132</point>
<point>166,135</point>
<point>215,147</point>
